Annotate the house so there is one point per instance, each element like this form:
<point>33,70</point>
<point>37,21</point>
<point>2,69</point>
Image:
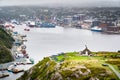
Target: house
<point>85,52</point>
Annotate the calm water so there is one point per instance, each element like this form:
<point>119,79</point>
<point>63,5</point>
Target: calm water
<point>46,42</point>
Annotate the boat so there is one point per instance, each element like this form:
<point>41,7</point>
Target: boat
<point>45,25</point>
<point>26,29</point>
<point>24,40</point>
<point>14,69</point>
<point>96,29</point>
<point>10,68</point>
<point>23,36</point>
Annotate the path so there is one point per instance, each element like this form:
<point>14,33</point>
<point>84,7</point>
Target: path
<point>116,72</point>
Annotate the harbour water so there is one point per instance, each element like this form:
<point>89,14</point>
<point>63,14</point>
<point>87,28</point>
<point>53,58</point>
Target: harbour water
<point>49,41</point>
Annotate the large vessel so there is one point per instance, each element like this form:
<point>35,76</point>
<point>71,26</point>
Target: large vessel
<point>96,29</point>
<point>45,25</point>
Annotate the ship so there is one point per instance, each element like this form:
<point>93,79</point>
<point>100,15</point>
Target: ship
<point>45,25</point>
<point>96,29</point>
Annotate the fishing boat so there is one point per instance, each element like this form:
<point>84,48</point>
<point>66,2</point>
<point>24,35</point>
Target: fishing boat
<point>96,29</point>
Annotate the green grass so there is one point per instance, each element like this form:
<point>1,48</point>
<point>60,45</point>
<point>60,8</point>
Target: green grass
<point>71,56</point>
<point>5,55</point>
<point>92,61</point>
<point>75,56</point>
<point>69,64</point>
<point>42,70</point>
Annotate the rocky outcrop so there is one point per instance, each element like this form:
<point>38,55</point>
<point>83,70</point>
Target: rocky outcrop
<point>49,69</point>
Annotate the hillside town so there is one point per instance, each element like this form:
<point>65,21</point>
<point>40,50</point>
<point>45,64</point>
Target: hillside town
<point>98,19</point>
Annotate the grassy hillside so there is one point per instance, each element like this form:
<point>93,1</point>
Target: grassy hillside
<point>73,66</point>
<point>5,39</point>
<point>6,42</point>
<point>5,55</point>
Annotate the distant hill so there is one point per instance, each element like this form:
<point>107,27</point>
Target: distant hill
<point>6,42</point>
<point>73,66</point>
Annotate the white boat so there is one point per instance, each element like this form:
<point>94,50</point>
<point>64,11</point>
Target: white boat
<point>96,29</point>
<point>15,69</point>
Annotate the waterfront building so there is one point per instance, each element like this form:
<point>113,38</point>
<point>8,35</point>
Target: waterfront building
<point>95,23</point>
<point>67,20</point>
<point>111,29</point>
<point>86,24</point>
<point>78,17</point>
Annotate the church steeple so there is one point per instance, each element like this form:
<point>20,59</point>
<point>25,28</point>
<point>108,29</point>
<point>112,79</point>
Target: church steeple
<point>86,46</point>
<point>86,51</point>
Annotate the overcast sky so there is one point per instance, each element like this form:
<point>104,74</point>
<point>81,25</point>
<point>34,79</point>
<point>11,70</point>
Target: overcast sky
<point>61,2</point>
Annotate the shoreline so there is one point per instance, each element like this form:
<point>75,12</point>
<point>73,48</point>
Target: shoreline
<point>20,59</point>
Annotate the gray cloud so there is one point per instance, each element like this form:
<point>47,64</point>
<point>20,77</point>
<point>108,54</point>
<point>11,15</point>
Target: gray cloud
<point>61,2</point>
